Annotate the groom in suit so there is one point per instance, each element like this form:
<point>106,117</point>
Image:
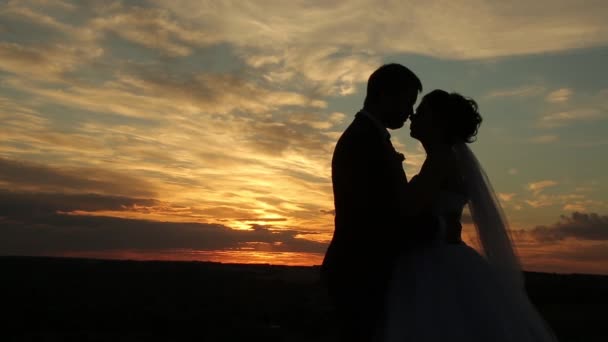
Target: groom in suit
<point>376,216</point>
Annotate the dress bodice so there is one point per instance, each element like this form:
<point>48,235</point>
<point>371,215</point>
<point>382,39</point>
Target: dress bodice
<point>449,203</point>
<point>448,208</point>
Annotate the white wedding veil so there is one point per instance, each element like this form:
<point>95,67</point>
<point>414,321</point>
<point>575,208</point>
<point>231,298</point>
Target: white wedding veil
<point>487,299</point>
<point>495,241</point>
<point>488,217</point>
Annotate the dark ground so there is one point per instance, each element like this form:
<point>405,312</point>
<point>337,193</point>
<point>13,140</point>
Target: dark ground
<point>57,299</point>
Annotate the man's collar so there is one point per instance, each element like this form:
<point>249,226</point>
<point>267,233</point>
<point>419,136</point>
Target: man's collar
<point>376,123</point>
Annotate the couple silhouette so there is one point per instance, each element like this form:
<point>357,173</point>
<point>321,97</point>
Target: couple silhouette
<point>397,268</point>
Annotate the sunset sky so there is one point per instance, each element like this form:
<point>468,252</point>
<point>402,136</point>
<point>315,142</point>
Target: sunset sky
<point>204,130</point>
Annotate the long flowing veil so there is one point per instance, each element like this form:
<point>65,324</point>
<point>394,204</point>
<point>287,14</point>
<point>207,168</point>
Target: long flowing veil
<point>449,288</point>
<point>488,218</point>
<point>493,233</point>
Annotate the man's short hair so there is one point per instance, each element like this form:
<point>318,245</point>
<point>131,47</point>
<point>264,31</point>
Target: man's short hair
<point>390,79</point>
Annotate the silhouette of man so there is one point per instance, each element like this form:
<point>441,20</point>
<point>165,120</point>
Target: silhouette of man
<point>376,209</point>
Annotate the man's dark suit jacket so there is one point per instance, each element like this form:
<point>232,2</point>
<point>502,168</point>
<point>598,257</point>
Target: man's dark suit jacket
<point>370,227</point>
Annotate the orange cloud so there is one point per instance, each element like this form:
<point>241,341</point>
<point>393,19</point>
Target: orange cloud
<point>539,186</point>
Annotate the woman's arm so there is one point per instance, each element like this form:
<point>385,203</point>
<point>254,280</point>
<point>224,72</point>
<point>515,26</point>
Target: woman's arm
<point>423,188</point>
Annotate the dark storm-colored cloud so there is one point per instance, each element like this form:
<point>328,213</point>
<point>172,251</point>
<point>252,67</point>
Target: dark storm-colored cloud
<point>30,204</point>
<point>40,177</point>
<point>32,224</point>
<point>579,226</point>
<point>65,233</point>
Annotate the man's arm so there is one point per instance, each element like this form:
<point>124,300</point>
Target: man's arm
<point>352,175</point>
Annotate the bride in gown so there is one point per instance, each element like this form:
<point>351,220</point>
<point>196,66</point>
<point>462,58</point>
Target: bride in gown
<point>447,291</point>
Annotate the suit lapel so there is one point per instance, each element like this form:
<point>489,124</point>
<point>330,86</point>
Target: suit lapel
<point>392,159</point>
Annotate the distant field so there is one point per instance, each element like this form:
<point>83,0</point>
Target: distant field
<point>56,299</point>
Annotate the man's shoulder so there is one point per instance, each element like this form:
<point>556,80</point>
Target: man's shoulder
<point>361,124</point>
<point>353,143</point>
<point>359,132</point>
<point>359,144</point>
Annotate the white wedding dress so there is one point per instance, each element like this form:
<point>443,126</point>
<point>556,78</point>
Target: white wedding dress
<point>450,292</point>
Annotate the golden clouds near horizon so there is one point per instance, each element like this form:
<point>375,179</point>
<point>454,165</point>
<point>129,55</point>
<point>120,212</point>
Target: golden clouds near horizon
<point>227,257</point>
<point>213,125</point>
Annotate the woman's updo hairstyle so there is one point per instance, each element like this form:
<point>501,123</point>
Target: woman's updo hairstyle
<point>460,115</point>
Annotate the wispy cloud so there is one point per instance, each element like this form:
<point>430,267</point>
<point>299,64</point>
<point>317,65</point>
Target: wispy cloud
<point>434,28</point>
<point>559,95</point>
<point>569,109</point>
<point>539,198</point>
<point>572,116</point>
<point>523,91</point>
<point>333,47</point>
<point>539,186</point>
<point>584,204</point>
<point>47,62</point>
<point>545,139</point>
<point>573,200</point>
<point>506,197</point>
